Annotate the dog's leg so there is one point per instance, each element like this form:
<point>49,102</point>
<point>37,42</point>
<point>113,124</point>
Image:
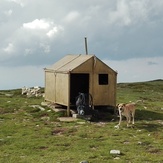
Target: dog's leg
<point>133,122</point>
<point>120,118</point>
<point>127,118</point>
<point>133,117</point>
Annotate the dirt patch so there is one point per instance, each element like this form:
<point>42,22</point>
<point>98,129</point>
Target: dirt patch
<point>154,151</point>
<point>59,131</point>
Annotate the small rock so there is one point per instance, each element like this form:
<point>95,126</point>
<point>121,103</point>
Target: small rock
<point>117,126</point>
<point>41,108</point>
<point>8,95</point>
<point>126,142</point>
<point>139,142</point>
<point>84,162</point>
<point>45,118</point>
<point>38,106</point>
<point>44,103</point>
<point>76,116</point>
<point>116,158</point>
<point>81,123</point>
<point>117,152</point>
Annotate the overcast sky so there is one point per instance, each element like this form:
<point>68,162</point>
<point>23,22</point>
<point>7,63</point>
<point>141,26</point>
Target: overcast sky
<point>125,34</point>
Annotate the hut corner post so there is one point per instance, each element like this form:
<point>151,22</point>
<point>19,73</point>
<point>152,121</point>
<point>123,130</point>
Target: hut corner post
<point>68,106</point>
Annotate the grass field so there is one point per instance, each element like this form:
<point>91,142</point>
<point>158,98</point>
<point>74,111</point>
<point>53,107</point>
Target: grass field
<point>29,135</point>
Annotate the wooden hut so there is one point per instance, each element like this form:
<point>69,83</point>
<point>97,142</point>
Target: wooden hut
<point>80,73</point>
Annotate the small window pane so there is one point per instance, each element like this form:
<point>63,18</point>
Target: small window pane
<point>103,79</point>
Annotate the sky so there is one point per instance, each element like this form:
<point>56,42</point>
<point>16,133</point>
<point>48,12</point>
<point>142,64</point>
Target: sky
<point>125,34</point>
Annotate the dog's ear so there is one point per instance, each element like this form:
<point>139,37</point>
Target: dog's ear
<point>124,104</point>
<point>117,105</point>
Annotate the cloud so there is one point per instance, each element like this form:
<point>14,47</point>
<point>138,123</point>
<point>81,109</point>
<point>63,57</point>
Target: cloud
<point>52,32</point>
<point>8,12</point>
<point>120,14</point>
<point>47,27</point>
<point>28,51</point>
<point>72,16</point>
<point>45,47</point>
<point>37,24</point>
<point>19,2</point>
<point>134,12</point>
<point>30,41</point>
<point>9,48</point>
<point>152,63</point>
<point>122,28</point>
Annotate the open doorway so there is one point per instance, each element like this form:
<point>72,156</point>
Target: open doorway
<point>78,83</point>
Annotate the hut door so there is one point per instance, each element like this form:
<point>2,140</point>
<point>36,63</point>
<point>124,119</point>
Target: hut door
<point>78,83</point>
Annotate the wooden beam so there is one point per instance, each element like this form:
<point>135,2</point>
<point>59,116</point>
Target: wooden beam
<point>68,96</point>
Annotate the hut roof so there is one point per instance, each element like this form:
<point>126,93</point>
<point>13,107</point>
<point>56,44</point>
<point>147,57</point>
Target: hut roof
<point>69,62</point>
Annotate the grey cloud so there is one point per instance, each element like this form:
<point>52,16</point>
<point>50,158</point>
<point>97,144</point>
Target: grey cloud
<point>118,29</point>
<point>152,63</point>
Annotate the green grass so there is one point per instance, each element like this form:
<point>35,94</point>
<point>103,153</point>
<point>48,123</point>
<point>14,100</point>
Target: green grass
<point>28,135</point>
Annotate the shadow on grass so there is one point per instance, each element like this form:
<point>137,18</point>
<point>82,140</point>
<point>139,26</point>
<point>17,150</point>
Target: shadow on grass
<point>148,115</point>
<point>150,127</point>
<point>151,120</point>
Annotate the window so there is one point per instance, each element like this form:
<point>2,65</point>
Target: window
<point>103,79</point>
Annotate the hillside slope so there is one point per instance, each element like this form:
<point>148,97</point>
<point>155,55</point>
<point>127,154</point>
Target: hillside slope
<point>31,134</point>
